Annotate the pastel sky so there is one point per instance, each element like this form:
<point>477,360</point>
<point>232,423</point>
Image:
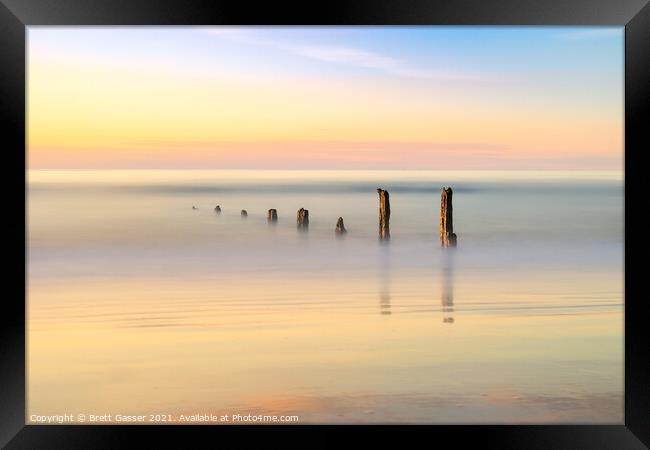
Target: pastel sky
<point>325,98</point>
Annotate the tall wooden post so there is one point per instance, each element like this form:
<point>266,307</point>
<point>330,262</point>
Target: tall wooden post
<point>447,235</point>
<point>384,214</point>
<point>272,215</point>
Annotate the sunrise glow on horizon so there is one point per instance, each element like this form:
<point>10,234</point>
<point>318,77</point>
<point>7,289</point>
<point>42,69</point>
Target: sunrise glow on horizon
<point>381,98</point>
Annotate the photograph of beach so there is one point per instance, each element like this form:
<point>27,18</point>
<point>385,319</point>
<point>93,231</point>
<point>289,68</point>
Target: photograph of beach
<point>325,225</point>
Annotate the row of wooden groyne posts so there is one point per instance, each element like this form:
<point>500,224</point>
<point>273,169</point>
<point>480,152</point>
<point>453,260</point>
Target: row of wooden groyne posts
<point>447,236</point>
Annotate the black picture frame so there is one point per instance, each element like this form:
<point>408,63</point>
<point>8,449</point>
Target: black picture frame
<point>16,15</point>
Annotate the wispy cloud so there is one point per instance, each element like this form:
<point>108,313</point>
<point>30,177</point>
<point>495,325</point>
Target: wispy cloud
<point>591,33</point>
<point>348,56</point>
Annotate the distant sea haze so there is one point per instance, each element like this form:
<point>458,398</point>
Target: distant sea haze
<point>163,308</point>
<point>331,155</point>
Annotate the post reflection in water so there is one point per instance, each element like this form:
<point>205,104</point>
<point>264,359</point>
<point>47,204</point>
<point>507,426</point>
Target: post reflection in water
<point>448,286</point>
<point>384,281</point>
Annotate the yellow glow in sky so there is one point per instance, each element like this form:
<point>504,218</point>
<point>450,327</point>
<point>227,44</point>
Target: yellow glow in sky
<point>101,112</point>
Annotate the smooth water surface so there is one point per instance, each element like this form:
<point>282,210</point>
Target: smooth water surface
<point>139,304</point>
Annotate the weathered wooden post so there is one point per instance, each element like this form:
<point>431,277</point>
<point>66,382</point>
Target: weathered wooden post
<point>244,213</point>
<point>384,214</point>
<point>447,236</point>
<point>272,215</point>
<point>340,228</point>
<point>303,218</point>
<point>217,209</point>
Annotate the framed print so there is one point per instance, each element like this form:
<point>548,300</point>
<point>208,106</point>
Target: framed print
<point>326,220</point>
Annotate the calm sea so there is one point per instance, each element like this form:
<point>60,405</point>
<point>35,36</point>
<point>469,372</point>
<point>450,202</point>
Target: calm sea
<point>139,304</point>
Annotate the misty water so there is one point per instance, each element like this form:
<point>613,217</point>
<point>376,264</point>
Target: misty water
<point>137,303</point>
